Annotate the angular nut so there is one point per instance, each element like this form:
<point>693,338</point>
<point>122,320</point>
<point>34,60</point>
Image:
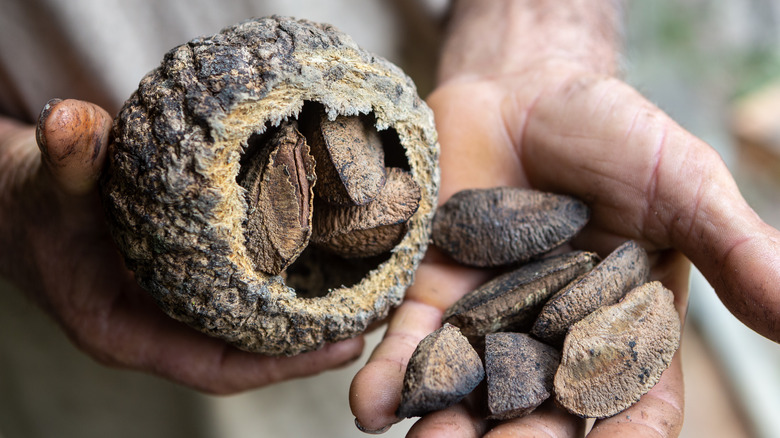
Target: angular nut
<point>624,269</point>
<point>279,181</point>
<point>617,353</point>
<point>443,369</point>
<point>520,372</point>
<point>350,159</point>
<point>511,302</point>
<point>373,228</point>
<point>504,225</point>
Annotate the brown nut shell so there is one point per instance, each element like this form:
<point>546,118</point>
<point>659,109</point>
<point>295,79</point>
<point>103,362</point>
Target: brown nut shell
<point>616,354</point>
<point>350,159</point>
<point>504,225</point>
<point>279,181</point>
<point>178,213</point>
<point>443,369</point>
<point>520,372</point>
<point>511,301</point>
<point>622,270</point>
<point>369,229</point>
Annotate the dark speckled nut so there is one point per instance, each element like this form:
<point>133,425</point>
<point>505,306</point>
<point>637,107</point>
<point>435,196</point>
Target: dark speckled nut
<point>501,226</point>
<point>178,210</point>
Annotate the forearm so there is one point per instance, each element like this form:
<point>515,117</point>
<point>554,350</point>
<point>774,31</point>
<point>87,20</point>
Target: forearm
<point>497,37</point>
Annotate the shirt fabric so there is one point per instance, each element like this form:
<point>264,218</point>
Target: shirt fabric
<point>98,50</point>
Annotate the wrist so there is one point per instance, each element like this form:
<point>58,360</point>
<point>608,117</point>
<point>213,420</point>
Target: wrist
<point>503,37</point>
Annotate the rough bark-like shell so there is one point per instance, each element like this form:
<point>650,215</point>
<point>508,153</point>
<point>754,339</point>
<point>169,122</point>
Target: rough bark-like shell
<point>511,301</point>
<point>177,212</point>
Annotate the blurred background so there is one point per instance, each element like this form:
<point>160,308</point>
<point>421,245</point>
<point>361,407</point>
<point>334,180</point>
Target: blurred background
<point>715,68</point>
<point>713,65</point>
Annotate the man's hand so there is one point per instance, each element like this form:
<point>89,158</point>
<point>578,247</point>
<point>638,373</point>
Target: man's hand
<point>564,124</point>
<point>494,133</point>
<point>57,248</point>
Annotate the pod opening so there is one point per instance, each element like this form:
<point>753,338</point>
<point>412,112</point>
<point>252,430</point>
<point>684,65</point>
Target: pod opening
<point>328,200</point>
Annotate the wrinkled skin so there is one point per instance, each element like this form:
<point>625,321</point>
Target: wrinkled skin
<point>57,249</point>
<point>645,178</point>
<point>528,96</point>
<point>554,123</point>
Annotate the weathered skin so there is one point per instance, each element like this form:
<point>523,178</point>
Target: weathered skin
<point>178,214</point>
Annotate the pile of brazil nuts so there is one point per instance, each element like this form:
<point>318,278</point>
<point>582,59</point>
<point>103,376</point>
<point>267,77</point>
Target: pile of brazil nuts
<point>594,334</point>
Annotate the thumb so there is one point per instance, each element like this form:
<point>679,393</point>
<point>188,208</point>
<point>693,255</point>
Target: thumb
<point>647,178</point>
<point>73,137</point>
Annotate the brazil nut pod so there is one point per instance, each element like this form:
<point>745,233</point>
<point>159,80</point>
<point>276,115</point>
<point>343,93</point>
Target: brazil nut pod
<point>218,169</point>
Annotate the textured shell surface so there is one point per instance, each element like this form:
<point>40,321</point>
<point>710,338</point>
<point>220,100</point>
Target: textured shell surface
<point>617,354</point>
<point>176,210</point>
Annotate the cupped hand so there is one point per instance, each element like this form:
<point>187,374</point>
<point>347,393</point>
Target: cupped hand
<point>56,246</point>
<point>560,128</point>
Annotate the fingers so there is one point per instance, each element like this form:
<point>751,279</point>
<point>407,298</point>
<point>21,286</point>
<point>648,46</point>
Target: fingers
<point>547,420</point>
<point>104,312</point>
<point>134,334</point>
<point>73,137</point>
<point>212,366</point>
<point>454,422</point>
<point>19,158</point>
<point>659,413</point>
<point>647,178</point>
<point>227,370</point>
<point>375,392</point>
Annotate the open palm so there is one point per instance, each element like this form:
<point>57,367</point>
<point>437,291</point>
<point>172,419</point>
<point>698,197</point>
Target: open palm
<point>563,129</point>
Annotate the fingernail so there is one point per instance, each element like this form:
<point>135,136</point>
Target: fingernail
<point>40,136</point>
<point>73,138</point>
<point>369,431</point>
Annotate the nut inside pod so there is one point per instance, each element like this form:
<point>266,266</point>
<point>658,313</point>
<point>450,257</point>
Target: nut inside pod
<point>220,148</point>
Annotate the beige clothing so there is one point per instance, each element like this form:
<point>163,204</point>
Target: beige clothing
<point>98,50</point>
